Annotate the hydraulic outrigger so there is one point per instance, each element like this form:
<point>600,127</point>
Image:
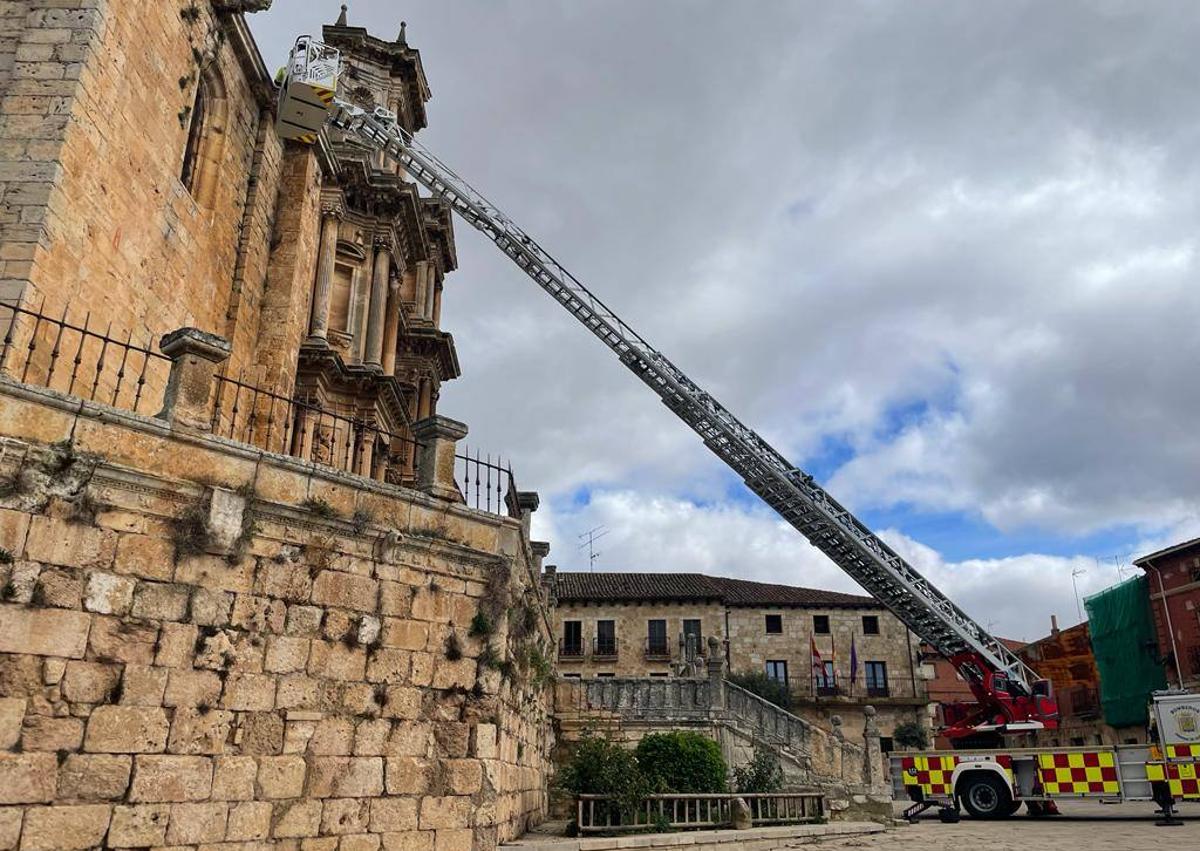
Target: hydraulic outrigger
<point>1010,697</point>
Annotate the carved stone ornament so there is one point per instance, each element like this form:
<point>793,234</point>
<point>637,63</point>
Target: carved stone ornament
<point>245,6</point>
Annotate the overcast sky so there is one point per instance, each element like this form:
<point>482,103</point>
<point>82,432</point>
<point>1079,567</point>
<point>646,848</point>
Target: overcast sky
<point>943,255</point>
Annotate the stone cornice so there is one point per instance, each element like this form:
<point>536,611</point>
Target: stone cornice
<point>233,24</point>
<point>437,345</point>
<point>439,230</point>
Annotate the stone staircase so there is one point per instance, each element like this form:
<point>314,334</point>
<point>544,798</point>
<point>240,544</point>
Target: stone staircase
<point>740,720</point>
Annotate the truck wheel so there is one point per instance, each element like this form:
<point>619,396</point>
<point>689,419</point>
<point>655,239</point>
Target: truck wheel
<point>987,797</point>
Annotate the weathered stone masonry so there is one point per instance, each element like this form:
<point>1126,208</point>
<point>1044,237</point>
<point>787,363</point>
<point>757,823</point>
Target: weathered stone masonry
<point>201,644</point>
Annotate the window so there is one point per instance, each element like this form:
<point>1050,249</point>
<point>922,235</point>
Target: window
<point>572,640</point>
<point>656,638</point>
<point>821,624</point>
<point>607,674</point>
<point>205,138</point>
<point>774,624</point>
<point>776,670</point>
<point>606,638</point>
<point>571,676</point>
<point>876,675</point>
<point>870,624</point>
<point>886,744</point>
<point>1194,574</point>
<point>658,673</point>
<point>691,626</point>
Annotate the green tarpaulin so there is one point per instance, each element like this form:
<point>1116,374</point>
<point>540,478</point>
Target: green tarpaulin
<point>1126,648</point>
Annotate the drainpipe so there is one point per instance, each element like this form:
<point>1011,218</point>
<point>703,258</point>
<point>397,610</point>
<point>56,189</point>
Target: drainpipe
<point>1162,590</point>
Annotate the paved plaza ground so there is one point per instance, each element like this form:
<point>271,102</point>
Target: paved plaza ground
<point>1081,827</point>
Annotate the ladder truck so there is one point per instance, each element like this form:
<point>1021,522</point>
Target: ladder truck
<point>1010,698</point>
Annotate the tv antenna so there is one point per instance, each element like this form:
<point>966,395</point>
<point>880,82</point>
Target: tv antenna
<point>1079,571</point>
<point>591,536</point>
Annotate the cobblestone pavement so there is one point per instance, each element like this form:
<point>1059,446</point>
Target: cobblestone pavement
<point>1081,827</point>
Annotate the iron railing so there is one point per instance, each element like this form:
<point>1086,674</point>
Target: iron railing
<point>486,484</point>
<point>570,649</point>
<point>301,429</point>
<point>82,360</point>
<point>604,648</point>
<point>658,649</point>
<point>604,814</point>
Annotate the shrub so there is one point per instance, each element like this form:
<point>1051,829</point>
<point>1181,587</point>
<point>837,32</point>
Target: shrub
<point>682,762</point>
<point>910,734</point>
<point>599,767</point>
<point>762,774</point>
<point>768,689</point>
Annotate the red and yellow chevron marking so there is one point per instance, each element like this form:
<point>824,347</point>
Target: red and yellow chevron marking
<point>1181,777</point>
<point>1183,751</point>
<point>932,773</point>
<point>1078,773</point>
<point>326,96</point>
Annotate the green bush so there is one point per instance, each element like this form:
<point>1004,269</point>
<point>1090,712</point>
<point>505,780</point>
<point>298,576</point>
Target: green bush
<point>682,762</point>
<point>762,774</point>
<point>599,767</point>
<point>910,734</point>
<point>765,687</point>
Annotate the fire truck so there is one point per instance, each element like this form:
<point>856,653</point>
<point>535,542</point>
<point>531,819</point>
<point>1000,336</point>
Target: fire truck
<point>1009,697</point>
<point>995,782</point>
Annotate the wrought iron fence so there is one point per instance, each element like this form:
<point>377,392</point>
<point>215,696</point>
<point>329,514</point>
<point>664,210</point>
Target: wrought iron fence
<point>250,414</point>
<point>486,485</point>
<point>604,814</point>
<point>570,649</point>
<point>82,360</point>
<point>658,649</point>
<point>604,648</point>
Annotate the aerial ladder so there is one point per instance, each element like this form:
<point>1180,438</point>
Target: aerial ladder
<point>1010,697</point>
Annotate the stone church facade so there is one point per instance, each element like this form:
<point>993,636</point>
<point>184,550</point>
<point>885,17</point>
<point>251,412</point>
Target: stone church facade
<point>245,599</point>
<point>144,189</point>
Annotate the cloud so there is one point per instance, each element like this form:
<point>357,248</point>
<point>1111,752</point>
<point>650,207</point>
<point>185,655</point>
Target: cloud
<point>1012,596</point>
<point>956,242</point>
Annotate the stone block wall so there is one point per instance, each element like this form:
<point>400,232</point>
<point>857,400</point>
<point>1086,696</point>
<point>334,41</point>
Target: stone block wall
<point>96,101</point>
<point>205,646</point>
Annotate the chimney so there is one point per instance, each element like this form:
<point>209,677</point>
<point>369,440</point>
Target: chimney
<point>1054,624</point>
<point>550,583</point>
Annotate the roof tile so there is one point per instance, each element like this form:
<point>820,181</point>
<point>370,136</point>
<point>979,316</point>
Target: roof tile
<point>647,587</point>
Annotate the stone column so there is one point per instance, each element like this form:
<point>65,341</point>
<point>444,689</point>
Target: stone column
<point>437,305</point>
<point>521,505</point>
<point>323,286</point>
<point>425,398</point>
<point>194,354</point>
<point>373,351</point>
<point>391,327</point>
<point>438,437</point>
<point>716,672</point>
<point>422,275</point>
<point>873,763</point>
<point>430,292</point>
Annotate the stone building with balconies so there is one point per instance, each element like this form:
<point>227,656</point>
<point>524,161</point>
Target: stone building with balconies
<point>657,625</point>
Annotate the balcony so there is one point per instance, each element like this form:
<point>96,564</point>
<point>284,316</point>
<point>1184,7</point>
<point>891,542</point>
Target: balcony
<point>894,690</point>
<point>658,650</point>
<point>604,649</point>
<point>570,651</point>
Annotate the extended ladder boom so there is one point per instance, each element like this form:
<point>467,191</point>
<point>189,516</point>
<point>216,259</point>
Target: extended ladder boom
<point>786,488</point>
